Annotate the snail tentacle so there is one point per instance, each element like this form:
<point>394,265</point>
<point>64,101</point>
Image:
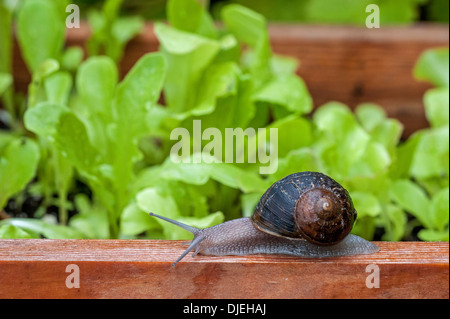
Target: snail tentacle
<point>198,236</point>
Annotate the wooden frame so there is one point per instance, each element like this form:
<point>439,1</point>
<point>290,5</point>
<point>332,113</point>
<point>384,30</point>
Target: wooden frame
<point>348,64</point>
<point>43,268</point>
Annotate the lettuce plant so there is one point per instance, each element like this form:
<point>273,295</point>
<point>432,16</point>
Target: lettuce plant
<point>84,123</point>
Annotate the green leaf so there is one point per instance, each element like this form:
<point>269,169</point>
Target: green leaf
<point>229,49</point>
<point>283,65</point>
<point>135,94</point>
<point>125,28</point>
<point>366,204</point>
<point>96,82</point>
<point>151,200</point>
<point>375,160</point>
<point>194,200</point>
<point>440,209</point>
<point>121,31</point>
<point>187,57</point>
<point>431,156</point>
<point>370,115</point>
<point>43,119</point>
<point>58,86</point>
<point>394,222</point>
<point>350,12</point>
<point>5,81</point>
<point>91,220</point>
<point>10,231</point>
<point>18,164</point>
<point>303,159</point>
<point>140,88</point>
<point>200,173</point>
<point>437,106</point>
<point>185,15</point>
<point>73,142</point>
<point>40,32</point>
<point>388,133</point>
<point>111,9</point>
<point>191,16</point>
<point>234,177</point>
<point>413,199</point>
<point>342,142</point>
<point>46,68</point>
<point>47,230</point>
<point>438,11</point>
<point>53,123</point>
<point>433,235</point>
<point>247,25</point>
<point>224,100</point>
<point>134,220</point>
<point>72,58</point>
<point>6,38</point>
<point>5,139</point>
<point>405,155</point>
<point>432,66</point>
<point>287,91</point>
<point>111,32</point>
<point>219,80</point>
<point>289,127</point>
<point>250,28</point>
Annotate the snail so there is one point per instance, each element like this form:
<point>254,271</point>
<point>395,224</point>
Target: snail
<point>306,214</point>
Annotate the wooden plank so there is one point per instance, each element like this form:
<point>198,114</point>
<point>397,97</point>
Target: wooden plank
<point>36,268</point>
<point>338,63</point>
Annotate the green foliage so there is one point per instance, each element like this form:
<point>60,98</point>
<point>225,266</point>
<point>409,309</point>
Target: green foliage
<point>340,12</point>
<point>40,41</point>
<point>432,66</point>
<point>87,126</point>
<point>5,82</point>
<point>6,58</point>
<point>111,32</point>
<point>18,161</point>
<point>107,168</point>
<point>391,12</point>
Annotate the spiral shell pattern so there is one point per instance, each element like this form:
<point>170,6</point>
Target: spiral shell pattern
<point>307,205</point>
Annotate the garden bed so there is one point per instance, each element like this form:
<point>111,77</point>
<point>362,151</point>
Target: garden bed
<point>352,65</point>
<point>37,268</point>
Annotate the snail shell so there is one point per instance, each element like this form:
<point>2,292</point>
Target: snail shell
<point>306,205</point>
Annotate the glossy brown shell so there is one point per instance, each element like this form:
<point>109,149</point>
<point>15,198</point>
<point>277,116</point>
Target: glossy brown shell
<point>306,205</point>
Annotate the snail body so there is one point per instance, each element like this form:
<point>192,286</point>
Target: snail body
<point>306,214</point>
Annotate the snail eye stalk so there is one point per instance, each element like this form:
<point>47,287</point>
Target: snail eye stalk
<point>198,238</point>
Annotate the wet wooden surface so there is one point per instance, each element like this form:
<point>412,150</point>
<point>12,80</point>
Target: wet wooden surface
<point>43,268</point>
<point>338,63</point>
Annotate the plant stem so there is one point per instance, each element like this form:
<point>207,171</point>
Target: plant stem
<point>63,214</point>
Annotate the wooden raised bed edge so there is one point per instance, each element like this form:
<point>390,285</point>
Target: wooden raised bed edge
<point>348,64</point>
<point>37,268</point>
